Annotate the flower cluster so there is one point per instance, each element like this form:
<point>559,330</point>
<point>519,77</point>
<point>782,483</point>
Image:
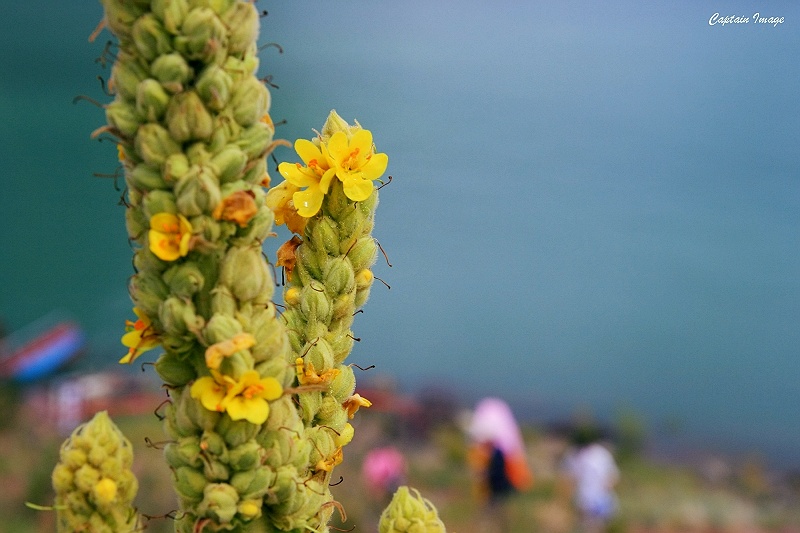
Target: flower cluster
<point>347,155</point>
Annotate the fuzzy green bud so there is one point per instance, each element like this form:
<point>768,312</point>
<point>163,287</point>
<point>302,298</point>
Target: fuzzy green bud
<point>338,276</point>
<point>151,100</point>
<point>214,85</point>
<point>245,273</point>
<point>145,177</point>
<point>229,163</point>
<point>120,16</point>
<point>203,36</point>
<point>172,71</point>
<point>187,118</point>
<point>242,18</point>
<point>147,290</point>
<point>197,192</point>
<point>255,140</point>
<point>185,451</point>
<point>190,484</point>
<point>410,513</point>
<point>253,483</point>
<point>158,201</point>
<point>154,143</point>
<point>344,384</point>
<point>178,316</point>
<point>174,370</point>
<point>250,100</point>
<point>150,37</point>
<point>122,116</point>
<point>126,74</point>
<point>171,13</point>
<point>314,303</point>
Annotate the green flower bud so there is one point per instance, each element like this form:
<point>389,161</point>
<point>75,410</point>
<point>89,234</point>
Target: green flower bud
<point>344,384</point>
<point>190,484</point>
<point>172,70</point>
<point>184,280</point>
<point>221,327</point>
<point>255,171</point>
<point>361,296</point>
<point>171,13</point>
<point>250,99</point>
<point>343,305</point>
<point>214,85</point>
<point>174,370</point>
<point>410,513</point>
<point>175,167</point>
<point>240,68</point>
<point>158,201</point>
<point>252,484</point>
<point>215,470</point>
<point>226,130</point>
<point>309,264</point>
<point>151,100</point>
<point>245,273</point>
<point>236,432</point>
<point>334,124</point>
<point>154,143</point>
<point>120,16</point>
<point>314,303</point>
<point>187,118</point>
<point>136,224</point>
<point>178,316</point>
<point>126,74</point>
<point>338,276</point>
<point>310,402</point>
<point>144,259</point>
<point>204,37</point>
<point>363,253</point>
<point>254,140</point>
<point>246,456</point>
<point>185,451</point>
<point>150,37</point>
<point>229,163</point>
<point>122,116</point>
<point>197,192</point>
<point>242,19</point>
<point>145,177</point>
<point>147,290</point>
<point>326,233</point>
<point>331,413</point>
<point>223,301</point>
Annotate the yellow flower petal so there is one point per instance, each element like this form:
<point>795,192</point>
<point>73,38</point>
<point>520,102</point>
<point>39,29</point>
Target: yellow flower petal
<point>169,236</point>
<point>254,410</point>
<point>210,393</point>
<point>308,201</point>
<point>357,188</point>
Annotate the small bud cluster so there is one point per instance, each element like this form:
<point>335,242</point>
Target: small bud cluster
<point>259,403</point>
<point>93,481</point>
<point>410,513</point>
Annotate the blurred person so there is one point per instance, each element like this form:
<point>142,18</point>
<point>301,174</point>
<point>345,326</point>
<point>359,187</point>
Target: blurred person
<point>592,468</point>
<point>497,458</point>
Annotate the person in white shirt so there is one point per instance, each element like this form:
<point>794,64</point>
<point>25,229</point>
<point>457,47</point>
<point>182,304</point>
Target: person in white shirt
<point>594,472</point>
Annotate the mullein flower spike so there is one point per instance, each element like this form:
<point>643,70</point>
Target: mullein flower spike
<point>260,403</point>
<point>410,513</point>
<point>93,481</point>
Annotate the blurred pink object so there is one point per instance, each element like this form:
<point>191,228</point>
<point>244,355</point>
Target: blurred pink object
<point>494,422</point>
<point>384,469</point>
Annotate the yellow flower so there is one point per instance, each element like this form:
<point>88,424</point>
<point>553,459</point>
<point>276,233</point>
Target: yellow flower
<point>355,162</point>
<point>169,236</point>
<point>279,200</point>
<point>217,352</point>
<point>139,336</point>
<point>245,399</point>
<point>352,404</point>
<point>316,176</point>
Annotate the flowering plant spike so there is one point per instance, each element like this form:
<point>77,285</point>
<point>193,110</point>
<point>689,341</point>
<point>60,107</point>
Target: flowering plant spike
<point>260,403</point>
<point>93,481</point>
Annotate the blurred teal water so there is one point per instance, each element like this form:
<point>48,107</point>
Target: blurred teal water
<point>591,205</point>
